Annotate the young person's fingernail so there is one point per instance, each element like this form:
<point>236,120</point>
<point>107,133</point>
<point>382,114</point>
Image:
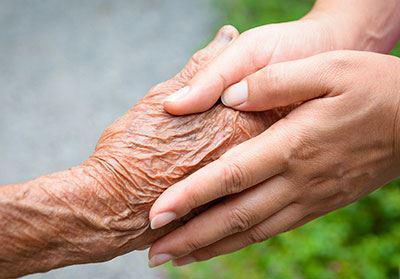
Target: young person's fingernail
<point>236,94</point>
<point>159,259</point>
<point>178,95</point>
<point>183,261</point>
<point>162,219</point>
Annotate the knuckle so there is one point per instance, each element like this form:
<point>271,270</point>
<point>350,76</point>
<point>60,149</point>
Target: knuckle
<point>193,198</point>
<point>337,65</point>
<point>200,57</point>
<point>300,146</point>
<point>303,149</point>
<point>298,188</point>
<point>247,43</point>
<point>186,74</point>
<point>338,59</point>
<point>234,177</point>
<point>191,244</point>
<point>258,234</point>
<point>239,220</point>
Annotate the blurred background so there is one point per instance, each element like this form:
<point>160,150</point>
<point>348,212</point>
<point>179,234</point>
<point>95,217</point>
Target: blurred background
<point>69,68</point>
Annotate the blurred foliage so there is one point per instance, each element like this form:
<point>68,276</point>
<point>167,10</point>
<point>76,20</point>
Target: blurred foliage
<point>245,14</point>
<point>359,241</point>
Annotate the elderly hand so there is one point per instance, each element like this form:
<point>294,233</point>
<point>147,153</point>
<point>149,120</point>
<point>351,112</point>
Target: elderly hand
<point>340,144</point>
<point>100,209</point>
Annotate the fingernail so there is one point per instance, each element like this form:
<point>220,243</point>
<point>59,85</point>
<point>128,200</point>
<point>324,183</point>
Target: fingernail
<point>224,37</point>
<point>226,34</point>
<point>235,95</point>
<point>178,95</point>
<point>159,259</point>
<point>183,261</point>
<point>162,219</point>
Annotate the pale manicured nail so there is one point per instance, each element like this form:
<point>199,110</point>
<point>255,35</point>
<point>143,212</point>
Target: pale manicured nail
<point>162,219</point>
<point>159,259</point>
<point>178,95</point>
<point>236,94</point>
<point>183,261</point>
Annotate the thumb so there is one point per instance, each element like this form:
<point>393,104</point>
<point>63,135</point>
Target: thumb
<point>230,66</point>
<point>283,84</point>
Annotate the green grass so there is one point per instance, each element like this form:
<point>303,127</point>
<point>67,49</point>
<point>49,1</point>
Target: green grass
<point>359,241</point>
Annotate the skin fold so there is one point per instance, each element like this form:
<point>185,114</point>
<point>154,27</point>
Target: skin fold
<point>99,209</point>
<point>367,25</point>
<point>339,144</point>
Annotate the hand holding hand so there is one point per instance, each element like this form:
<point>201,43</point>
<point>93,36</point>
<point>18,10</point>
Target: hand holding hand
<point>339,145</point>
<point>331,25</point>
<point>99,209</point>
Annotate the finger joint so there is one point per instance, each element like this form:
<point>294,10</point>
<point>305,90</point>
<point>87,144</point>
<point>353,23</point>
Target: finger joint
<point>234,178</point>
<point>239,220</point>
<point>258,234</point>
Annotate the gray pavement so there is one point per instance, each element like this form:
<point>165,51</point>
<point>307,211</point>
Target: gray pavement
<point>69,68</point>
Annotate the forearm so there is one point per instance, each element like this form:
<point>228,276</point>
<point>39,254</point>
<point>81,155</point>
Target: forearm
<point>100,209</point>
<point>85,214</point>
<point>76,216</point>
<point>371,25</point>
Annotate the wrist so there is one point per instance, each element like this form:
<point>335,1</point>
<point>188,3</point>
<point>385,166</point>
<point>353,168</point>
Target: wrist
<point>355,26</point>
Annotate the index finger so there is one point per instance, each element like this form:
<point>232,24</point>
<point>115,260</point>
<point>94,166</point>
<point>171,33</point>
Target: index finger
<point>240,168</point>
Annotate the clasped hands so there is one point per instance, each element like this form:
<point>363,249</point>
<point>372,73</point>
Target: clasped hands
<point>340,143</point>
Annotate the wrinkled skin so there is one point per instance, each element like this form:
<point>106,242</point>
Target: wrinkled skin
<point>99,210</point>
<point>339,145</point>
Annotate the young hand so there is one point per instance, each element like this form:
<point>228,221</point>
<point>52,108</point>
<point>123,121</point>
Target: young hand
<point>340,144</point>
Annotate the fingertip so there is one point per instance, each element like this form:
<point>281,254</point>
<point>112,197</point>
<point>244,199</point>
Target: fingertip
<point>157,207</point>
<point>187,107</point>
<point>162,219</point>
<point>235,95</point>
<point>196,99</point>
<point>173,103</point>
<point>174,108</point>
<point>159,259</point>
<point>168,205</point>
<point>227,33</point>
